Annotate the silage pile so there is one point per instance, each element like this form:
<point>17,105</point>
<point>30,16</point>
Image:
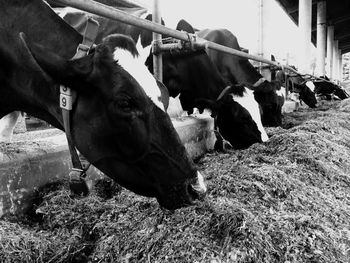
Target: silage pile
<point>287,200</point>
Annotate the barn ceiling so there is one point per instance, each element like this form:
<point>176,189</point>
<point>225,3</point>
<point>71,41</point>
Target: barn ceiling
<point>338,15</point>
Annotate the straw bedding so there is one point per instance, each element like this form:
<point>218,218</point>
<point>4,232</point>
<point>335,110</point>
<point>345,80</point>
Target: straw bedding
<point>286,200</point>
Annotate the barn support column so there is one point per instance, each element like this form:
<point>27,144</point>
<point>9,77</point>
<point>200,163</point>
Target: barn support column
<point>157,58</point>
<point>260,31</point>
<point>335,60</point>
<point>321,38</point>
<point>337,65</point>
<point>330,43</point>
<point>340,66</point>
<point>305,12</point>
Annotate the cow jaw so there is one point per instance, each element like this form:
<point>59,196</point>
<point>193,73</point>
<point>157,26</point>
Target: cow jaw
<point>137,69</point>
<point>248,102</point>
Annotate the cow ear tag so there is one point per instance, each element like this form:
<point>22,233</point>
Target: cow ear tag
<point>66,101</point>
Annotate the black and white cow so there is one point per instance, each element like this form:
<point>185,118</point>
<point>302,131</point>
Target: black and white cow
<point>297,84</point>
<point>190,74</point>
<point>328,89</point>
<point>239,70</point>
<point>118,122</point>
<point>235,111</point>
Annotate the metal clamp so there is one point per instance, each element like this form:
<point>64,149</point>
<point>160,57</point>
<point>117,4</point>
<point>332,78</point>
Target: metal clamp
<point>191,41</point>
<point>156,47</point>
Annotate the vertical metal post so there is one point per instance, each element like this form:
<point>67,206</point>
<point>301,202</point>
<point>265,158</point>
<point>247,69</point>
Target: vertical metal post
<point>260,32</point>
<point>330,43</point>
<point>340,67</point>
<point>337,64</point>
<point>157,58</point>
<point>305,13</point>
<point>337,76</point>
<point>335,60</point>
<point>321,38</point>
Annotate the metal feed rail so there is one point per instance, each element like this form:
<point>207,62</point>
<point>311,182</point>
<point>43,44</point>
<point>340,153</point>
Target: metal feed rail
<point>195,42</point>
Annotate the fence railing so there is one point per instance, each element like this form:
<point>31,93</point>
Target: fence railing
<point>196,42</point>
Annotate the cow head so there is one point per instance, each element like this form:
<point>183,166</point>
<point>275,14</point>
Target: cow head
<point>299,85</point>
<point>305,94</point>
<point>340,93</point>
<point>119,123</point>
<point>327,88</point>
<point>270,97</point>
<point>189,73</point>
<point>237,117</point>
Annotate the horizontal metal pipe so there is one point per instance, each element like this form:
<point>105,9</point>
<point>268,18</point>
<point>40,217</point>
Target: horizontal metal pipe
<point>172,46</point>
<point>115,14</point>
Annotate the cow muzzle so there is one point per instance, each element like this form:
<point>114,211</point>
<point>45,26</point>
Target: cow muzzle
<point>199,187</point>
<point>183,194</point>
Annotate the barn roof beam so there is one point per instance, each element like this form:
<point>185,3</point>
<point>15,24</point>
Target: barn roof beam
<point>344,46</point>
<point>340,19</point>
<point>342,36</point>
<point>295,8</point>
<point>343,51</point>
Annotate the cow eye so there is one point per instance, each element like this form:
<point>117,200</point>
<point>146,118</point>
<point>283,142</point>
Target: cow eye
<point>121,105</point>
<point>124,104</point>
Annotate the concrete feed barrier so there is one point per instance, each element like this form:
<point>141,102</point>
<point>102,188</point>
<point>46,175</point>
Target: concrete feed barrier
<point>42,157</point>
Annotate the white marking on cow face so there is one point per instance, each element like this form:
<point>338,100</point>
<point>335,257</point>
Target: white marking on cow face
<point>137,69</point>
<point>200,186</point>
<point>281,92</point>
<point>248,102</point>
<point>143,51</point>
<point>311,85</point>
<point>294,97</point>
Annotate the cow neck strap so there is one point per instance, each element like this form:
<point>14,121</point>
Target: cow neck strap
<point>68,95</point>
<point>223,93</point>
<point>259,82</point>
<point>219,136</point>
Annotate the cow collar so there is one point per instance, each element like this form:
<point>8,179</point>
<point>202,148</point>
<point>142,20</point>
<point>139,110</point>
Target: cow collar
<point>67,99</point>
<point>223,92</point>
<point>225,143</point>
<point>259,82</point>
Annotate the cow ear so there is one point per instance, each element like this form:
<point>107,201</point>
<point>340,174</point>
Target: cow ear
<point>164,94</point>
<point>61,70</point>
<point>183,25</point>
<point>212,105</point>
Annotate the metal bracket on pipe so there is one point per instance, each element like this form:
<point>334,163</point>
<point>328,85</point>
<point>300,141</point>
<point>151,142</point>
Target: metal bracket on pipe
<point>172,44</point>
<point>156,47</point>
<point>166,44</point>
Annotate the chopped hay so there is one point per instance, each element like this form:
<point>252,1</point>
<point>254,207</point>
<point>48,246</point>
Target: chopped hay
<point>286,200</point>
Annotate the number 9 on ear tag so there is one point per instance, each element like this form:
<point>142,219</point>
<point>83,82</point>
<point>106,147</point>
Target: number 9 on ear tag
<point>66,102</point>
